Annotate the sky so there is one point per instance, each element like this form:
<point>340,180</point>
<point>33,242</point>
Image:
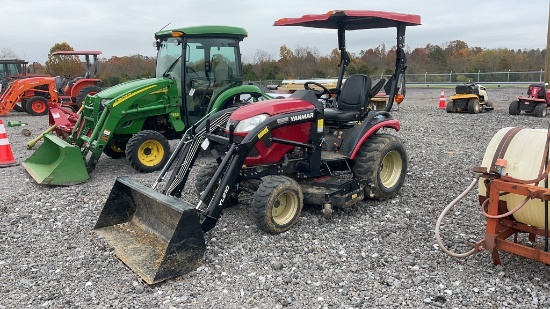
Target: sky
<point>126,27</point>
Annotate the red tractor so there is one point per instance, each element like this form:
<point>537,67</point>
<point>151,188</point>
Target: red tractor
<point>33,94</point>
<point>536,102</point>
<point>285,152</point>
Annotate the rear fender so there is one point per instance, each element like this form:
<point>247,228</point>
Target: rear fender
<point>217,102</point>
<point>463,96</point>
<point>371,125</point>
<point>530,99</point>
<point>81,83</point>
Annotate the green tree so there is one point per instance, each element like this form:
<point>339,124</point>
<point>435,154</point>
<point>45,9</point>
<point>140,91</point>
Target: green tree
<point>248,72</point>
<point>437,59</point>
<point>69,66</point>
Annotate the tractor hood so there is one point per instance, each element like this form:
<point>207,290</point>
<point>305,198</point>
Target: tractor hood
<point>134,87</point>
<point>272,107</point>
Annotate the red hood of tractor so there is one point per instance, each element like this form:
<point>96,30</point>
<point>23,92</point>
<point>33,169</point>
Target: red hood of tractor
<point>271,107</point>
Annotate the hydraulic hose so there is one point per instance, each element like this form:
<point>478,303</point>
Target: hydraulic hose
<point>511,212</point>
<point>444,213</point>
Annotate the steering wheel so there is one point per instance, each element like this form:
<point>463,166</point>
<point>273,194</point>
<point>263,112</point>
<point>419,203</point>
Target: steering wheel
<point>318,93</point>
<point>191,70</point>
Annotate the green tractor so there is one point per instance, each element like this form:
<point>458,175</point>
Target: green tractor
<point>198,73</point>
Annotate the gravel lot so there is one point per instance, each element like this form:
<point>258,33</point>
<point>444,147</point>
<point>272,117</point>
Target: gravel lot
<point>371,255</point>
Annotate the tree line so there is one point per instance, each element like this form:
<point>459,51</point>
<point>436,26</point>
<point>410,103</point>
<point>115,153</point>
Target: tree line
<point>307,62</point>
<point>455,56</point>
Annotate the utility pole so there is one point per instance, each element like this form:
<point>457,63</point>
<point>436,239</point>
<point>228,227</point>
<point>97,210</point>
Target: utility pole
<point>547,58</point>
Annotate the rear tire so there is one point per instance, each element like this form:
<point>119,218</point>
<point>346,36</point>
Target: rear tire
<point>37,106</point>
<point>382,162</point>
<point>540,110</point>
<point>514,108</point>
<point>277,204</point>
<point>84,92</point>
<point>147,151</point>
<point>473,106</point>
<point>450,107</point>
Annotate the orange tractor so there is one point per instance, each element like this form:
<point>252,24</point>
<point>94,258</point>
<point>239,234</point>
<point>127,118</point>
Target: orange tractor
<point>35,93</point>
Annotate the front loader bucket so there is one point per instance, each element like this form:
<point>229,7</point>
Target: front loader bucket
<point>56,162</point>
<point>157,236</point>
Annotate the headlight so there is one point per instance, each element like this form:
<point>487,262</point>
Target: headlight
<point>104,101</point>
<point>248,124</point>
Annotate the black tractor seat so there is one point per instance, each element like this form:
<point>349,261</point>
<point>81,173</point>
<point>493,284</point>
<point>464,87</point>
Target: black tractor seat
<point>352,100</point>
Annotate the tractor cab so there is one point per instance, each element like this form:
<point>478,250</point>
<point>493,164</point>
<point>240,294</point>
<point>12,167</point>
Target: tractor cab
<point>204,65</point>
<point>9,69</point>
<point>13,68</point>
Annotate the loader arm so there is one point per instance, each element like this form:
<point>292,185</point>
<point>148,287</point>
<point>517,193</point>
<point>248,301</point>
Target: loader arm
<point>187,151</point>
<point>13,93</point>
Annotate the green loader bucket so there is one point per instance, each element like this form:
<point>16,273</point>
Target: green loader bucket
<point>56,162</point>
<point>157,236</point>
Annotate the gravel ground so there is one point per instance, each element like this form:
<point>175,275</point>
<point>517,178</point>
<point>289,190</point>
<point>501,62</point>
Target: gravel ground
<point>375,254</point>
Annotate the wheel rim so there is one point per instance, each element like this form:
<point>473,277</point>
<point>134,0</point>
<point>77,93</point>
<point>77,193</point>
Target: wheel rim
<point>392,164</point>
<point>38,106</point>
<point>150,153</point>
<point>285,208</point>
<point>115,148</point>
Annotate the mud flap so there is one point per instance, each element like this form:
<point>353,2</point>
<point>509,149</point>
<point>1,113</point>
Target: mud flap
<point>157,236</point>
<point>56,162</point>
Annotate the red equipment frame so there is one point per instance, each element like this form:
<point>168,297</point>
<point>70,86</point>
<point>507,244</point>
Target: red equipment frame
<point>500,228</point>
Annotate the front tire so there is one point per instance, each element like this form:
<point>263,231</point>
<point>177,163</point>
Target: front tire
<point>147,151</point>
<point>277,204</point>
<point>19,107</point>
<point>540,110</point>
<point>513,109</point>
<point>382,162</point>
<point>37,106</point>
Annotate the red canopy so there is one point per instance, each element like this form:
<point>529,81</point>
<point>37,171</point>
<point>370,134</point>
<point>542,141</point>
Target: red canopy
<point>352,20</point>
<point>77,52</point>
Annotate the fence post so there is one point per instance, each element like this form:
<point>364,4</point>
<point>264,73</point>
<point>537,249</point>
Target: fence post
<point>478,75</point>
<point>451,77</point>
<point>426,78</point>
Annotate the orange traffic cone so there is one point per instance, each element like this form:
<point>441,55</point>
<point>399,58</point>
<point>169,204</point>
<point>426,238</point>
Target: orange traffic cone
<point>6,156</point>
<point>442,103</point>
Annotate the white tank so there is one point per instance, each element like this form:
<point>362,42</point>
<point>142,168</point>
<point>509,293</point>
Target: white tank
<point>523,157</point>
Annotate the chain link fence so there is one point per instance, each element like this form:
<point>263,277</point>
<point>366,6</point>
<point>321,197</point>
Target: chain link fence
<point>508,77</point>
